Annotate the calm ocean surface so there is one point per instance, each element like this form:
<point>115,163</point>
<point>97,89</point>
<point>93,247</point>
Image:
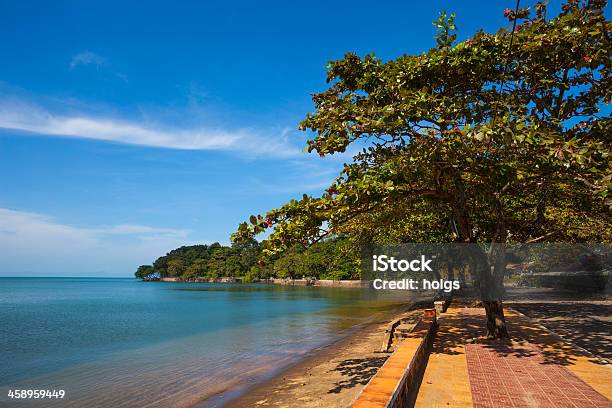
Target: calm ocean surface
<point>126,343</point>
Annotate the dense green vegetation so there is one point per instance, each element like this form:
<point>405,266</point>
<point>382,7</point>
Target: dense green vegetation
<point>501,138</point>
<point>328,259</point>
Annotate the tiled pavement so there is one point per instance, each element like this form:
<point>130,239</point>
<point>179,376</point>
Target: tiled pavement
<point>506,376</point>
<point>536,369</point>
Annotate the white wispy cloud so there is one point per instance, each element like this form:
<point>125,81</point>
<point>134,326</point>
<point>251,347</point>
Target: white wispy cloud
<point>37,243</point>
<point>24,116</point>
<point>298,177</point>
<point>91,58</point>
<point>87,58</point>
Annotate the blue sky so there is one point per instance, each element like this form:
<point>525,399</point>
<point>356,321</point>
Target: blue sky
<point>129,129</point>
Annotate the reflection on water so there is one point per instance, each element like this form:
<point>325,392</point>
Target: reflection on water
<point>123,343</point>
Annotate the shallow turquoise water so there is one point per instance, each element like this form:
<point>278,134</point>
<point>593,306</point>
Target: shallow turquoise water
<point>122,342</point>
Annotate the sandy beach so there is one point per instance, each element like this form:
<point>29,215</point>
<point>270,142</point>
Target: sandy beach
<point>331,376</point>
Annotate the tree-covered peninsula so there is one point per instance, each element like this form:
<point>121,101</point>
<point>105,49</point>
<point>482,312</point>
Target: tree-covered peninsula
<point>329,259</point>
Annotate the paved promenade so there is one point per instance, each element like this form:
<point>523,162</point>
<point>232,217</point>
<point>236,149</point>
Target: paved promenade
<point>535,369</point>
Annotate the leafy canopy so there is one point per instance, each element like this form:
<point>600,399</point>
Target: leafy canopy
<point>504,137</point>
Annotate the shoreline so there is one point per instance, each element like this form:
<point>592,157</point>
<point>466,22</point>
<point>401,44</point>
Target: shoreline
<point>335,374</point>
<point>330,375</point>
<point>329,283</point>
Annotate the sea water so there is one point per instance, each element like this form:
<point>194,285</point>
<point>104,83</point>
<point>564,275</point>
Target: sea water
<point>126,343</point>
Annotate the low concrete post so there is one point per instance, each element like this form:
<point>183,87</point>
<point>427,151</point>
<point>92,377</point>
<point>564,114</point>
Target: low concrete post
<point>440,306</point>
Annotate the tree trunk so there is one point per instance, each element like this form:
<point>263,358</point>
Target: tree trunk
<point>489,269</point>
<point>497,259</point>
<point>496,322</point>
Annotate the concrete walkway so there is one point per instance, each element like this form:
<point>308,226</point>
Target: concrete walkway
<point>535,369</point>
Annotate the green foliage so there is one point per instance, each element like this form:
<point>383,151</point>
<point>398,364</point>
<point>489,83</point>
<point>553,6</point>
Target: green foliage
<point>345,262</point>
<point>473,141</point>
<point>445,36</point>
<point>204,261</point>
<point>145,272</point>
<point>176,267</point>
<point>252,275</point>
<point>288,266</point>
<point>330,259</point>
<point>502,138</point>
<point>198,268</point>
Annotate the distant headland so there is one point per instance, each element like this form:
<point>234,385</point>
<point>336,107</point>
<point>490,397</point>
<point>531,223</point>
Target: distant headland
<point>321,264</point>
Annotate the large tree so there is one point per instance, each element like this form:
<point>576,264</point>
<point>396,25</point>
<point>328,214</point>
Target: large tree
<point>504,137</point>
